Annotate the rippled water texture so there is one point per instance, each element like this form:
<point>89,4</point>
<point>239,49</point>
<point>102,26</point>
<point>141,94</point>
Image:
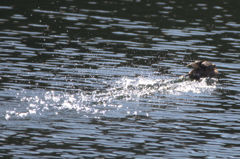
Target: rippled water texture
<point>102,79</point>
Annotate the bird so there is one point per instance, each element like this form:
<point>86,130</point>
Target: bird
<point>202,69</point>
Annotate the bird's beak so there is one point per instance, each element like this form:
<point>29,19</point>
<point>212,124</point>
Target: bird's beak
<point>189,65</point>
<point>193,65</point>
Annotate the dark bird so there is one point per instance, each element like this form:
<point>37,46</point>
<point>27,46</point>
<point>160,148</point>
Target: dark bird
<point>202,69</point>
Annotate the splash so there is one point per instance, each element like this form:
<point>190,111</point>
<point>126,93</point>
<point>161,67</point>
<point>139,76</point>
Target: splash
<point>143,86</point>
<point>113,99</point>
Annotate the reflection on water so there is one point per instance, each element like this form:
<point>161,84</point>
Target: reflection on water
<point>101,79</point>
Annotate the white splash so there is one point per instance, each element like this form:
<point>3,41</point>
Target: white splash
<point>111,99</point>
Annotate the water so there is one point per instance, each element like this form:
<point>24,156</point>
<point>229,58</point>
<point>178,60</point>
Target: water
<point>95,79</point>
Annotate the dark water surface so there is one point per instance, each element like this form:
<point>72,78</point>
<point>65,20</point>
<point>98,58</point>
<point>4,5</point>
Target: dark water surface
<point>100,79</point>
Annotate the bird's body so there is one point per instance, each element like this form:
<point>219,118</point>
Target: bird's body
<point>202,69</point>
